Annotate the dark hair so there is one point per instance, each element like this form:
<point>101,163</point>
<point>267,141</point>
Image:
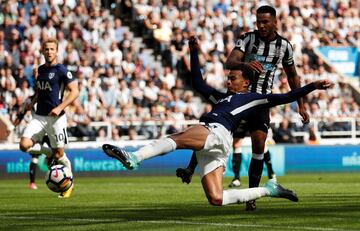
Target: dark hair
<point>266,9</point>
<point>247,72</point>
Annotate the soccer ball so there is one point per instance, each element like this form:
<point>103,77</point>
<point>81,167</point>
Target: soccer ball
<point>59,178</point>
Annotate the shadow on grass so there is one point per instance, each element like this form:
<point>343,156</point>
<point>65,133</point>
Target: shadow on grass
<point>159,211</point>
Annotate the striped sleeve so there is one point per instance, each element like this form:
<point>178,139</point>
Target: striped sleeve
<point>242,41</point>
<point>288,59</point>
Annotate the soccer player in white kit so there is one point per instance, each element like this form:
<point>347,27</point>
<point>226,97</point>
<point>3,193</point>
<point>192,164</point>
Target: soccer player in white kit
<point>49,118</point>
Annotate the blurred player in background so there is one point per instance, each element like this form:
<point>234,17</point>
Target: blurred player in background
<point>263,50</point>
<point>53,78</point>
<point>212,138</point>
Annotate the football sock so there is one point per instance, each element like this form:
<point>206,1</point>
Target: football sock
<point>64,160</point>
<point>268,163</point>
<point>38,149</point>
<point>32,170</point>
<point>236,163</point>
<point>156,148</point>
<point>193,162</point>
<point>233,196</point>
<point>255,169</point>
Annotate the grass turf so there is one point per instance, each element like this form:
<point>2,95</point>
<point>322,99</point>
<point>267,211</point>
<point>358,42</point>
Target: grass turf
<point>328,202</point>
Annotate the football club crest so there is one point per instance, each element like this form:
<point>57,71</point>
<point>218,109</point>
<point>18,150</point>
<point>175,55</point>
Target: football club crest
<point>51,75</point>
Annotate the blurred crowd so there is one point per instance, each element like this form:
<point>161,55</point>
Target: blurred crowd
<point>131,58</point>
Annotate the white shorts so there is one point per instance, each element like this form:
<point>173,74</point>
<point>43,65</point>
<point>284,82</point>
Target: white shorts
<point>53,126</point>
<point>216,149</point>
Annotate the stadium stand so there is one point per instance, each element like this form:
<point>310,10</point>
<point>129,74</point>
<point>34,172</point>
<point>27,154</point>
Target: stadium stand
<point>131,60</point>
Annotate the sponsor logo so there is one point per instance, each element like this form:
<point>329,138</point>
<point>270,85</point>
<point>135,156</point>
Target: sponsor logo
<point>84,165</point>
<point>43,85</point>
<point>353,160</point>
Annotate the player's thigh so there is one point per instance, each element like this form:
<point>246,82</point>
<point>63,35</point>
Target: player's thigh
<point>193,138</point>
<point>258,127</point>
<point>216,150</point>
<point>35,130</point>
<point>56,130</point>
<point>239,134</point>
<point>260,120</point>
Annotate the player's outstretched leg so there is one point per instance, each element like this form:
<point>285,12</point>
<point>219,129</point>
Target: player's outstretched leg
<point>276,190</point>
<point>128,159</point>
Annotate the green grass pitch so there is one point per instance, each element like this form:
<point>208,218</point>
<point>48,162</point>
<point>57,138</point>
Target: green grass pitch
<point>328,202</point>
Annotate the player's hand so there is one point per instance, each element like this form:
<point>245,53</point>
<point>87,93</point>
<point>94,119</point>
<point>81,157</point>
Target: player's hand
<point>55,112</point>
<point>304,115</point>
<point>256,66</point>
<point>194,44</point>
<point>323,84</point>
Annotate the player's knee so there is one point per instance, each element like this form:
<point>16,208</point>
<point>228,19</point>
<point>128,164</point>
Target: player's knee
<point>215,199</point>
<point>25,144</point>
<point>23,148</point>
<point>58,154</point>
<point>258,146</point>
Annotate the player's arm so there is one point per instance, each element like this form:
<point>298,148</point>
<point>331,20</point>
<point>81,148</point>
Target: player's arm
<point>28,105</point>
<point>73,92</point>
<point>294,82</point>
<point>236,58</point>
<point>197,79</point>
<point>278,99</point>
<point>294,79</point>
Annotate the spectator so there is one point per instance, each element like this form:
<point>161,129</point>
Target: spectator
<point>283,134</point>
<point>312,140</point>
<point>79,122</point>
<point>96,43</point>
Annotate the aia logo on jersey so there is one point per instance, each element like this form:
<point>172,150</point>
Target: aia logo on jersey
<point>43,85</point>
<point>51,75</point>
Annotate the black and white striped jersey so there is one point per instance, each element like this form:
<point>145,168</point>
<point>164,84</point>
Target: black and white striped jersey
<point>269,53</point>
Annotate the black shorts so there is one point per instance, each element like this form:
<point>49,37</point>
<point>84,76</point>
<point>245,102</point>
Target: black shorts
<point>259,120</point>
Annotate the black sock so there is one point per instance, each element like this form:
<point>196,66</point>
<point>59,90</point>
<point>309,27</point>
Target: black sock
<point>236,163</point>
<point>255,171</point>
<point>32,172</point>
<point>193,162</point>
<point>268,163</point>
